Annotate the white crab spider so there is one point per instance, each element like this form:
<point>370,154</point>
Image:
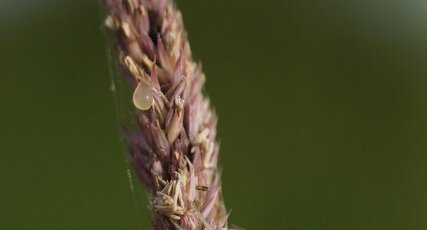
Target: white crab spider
<point>143,95</point>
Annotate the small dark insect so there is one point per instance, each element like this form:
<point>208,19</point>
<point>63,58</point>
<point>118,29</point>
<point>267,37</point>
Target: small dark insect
<point>202,188</point>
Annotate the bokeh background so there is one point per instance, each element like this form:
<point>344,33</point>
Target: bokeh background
<point>322,105</point>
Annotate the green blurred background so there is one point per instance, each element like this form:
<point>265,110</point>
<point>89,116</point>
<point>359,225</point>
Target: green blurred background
<point>322,105</point>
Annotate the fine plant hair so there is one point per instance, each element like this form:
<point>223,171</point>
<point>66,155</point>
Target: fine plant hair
<point>173,150</point>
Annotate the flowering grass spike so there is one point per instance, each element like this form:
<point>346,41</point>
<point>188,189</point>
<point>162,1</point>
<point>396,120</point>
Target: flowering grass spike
<point>174,150</point>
